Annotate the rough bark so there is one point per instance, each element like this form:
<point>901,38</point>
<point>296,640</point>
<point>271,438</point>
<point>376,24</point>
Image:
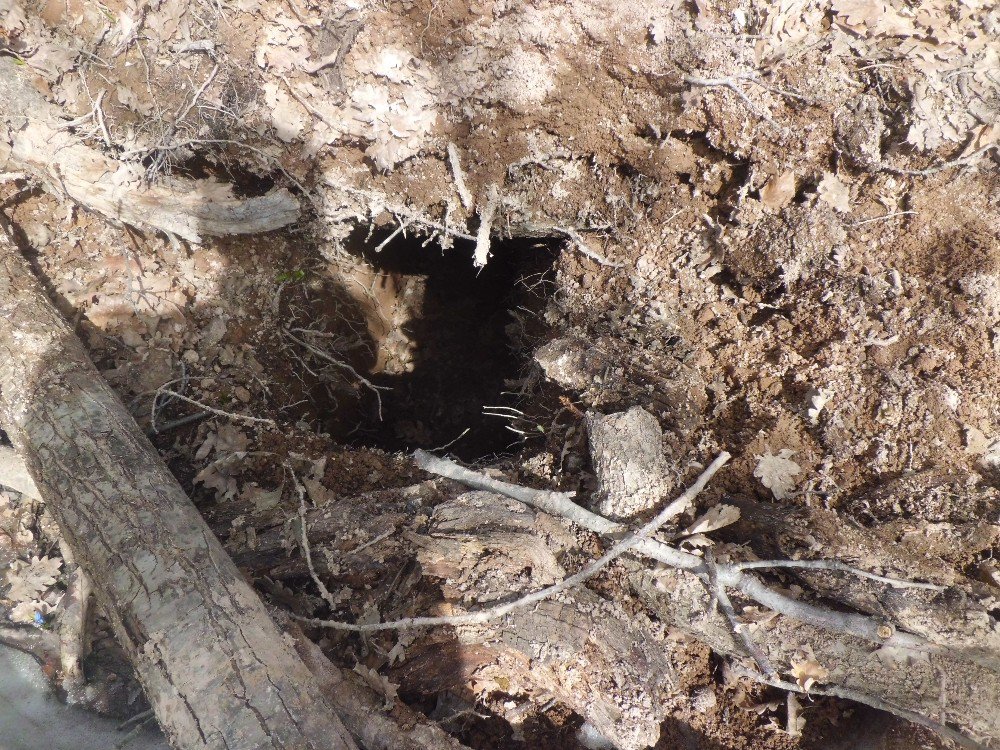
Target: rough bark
<point>632,471</point>
<point>31,139</point>
<point>215,667</point>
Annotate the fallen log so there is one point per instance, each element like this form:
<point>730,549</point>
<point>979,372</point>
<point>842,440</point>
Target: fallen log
<point>215,667</point>
<point>34,139</point>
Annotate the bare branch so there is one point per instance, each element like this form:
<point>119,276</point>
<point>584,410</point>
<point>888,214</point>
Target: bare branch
<point>586,573</point>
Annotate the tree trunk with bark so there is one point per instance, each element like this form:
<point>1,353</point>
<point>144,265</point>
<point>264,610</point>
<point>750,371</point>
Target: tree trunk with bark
<point>216,669</point>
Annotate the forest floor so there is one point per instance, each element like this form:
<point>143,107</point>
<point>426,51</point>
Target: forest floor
<point>799,266</point>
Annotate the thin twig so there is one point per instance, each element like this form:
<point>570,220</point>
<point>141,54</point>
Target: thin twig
<point>309,107</point>
<point>586,573</point>
<point>561,504</point>
<point>99,115</point>
<point>132,720</point>
<point>400,229</point>
<point>181,114</point>
<point>148,717</point>
<point>838,566</point>
<point>304,542</point>
<point>733,84</point>
<point>868,700</point>
<point>719,592</point>
<point>960,162</point>
<point>217,412</point>
<point>382,201</point>
<point>174,424</point>
<point>326,357</point>
<point>893,215</point>
<point>370,543</point>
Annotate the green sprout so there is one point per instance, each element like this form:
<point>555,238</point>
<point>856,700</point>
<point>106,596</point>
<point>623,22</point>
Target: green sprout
<point>295,276</point>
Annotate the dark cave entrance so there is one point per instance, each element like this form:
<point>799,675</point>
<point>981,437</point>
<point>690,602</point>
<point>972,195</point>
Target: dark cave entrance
<point>469,337</point>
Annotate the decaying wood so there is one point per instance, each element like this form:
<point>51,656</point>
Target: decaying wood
<point>477,546</point>
<point>362,711</point>
<point>32,140</point>
<point>958,619</point>
<point>215,667</point>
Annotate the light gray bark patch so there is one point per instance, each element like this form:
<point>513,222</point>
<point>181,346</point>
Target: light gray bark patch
<point>632,471</point>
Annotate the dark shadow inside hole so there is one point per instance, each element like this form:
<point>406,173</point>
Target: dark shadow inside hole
<point>245,183</point>
<point>467,338</point>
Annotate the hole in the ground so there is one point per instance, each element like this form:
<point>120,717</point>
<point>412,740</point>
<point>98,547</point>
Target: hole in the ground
<point>457,344</point>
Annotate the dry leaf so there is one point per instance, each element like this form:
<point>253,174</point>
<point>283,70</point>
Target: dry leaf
<point>779,191</point>
<point>834,192</point>
<point>983,136</point>
<point>978,444</point>
<point>865,17</point>
<point>29,579</point>
<point>698,540</point>
<point>714,518</point>
<point>976,441</point>
<point>808,672</point>
<point>288,117</point>
<point>260,499</point>
<point>777,473</point>
<point>24,612</point>
<point>796,721</point>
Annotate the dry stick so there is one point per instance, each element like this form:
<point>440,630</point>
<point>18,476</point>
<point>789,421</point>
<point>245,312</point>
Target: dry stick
<point>309,107</point>
<point>587,572</point>
<point>719,592</point>
<point>869,700</point>
<point>792,708</point>
<point>834,565</point>
<point>181,114</point>
<point>306,548</point>
<point>400,229</point>
<point>731,576</point>
<point>73,636</point>
<point>99,113</point>
<point>559,503</point>
<point>383,202</point>
<point>456,170</point>
<point>135,731</point>
<point>482,254</point>
<point>733,84</point>
<point>892,215</point>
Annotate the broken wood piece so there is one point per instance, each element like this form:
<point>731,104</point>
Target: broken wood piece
<point>629,462</point>
<point>32,139</point>
<point>215,668</point>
